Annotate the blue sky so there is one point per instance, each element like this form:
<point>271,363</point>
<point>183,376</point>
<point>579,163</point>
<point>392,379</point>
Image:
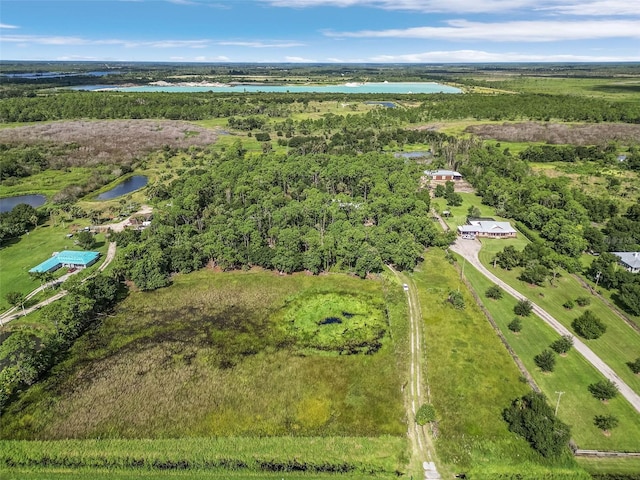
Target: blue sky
<point>326,31</point>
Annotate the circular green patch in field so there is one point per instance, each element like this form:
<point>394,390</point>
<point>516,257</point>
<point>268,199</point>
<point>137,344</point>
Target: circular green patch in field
<point>343,323</point>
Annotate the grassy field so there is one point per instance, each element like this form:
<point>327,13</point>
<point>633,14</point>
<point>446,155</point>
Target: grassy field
<point>616,347</point>
<point>622,466</point>
<point>572,375</point>
<point>471,378</point>
<point>624,88</point>
<point>48,182</point>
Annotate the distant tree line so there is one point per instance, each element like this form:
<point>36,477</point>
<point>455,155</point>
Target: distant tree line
<point>199,106</point>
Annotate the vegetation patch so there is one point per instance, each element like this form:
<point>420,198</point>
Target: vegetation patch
<point>212,344</point>
<point>339,323</point>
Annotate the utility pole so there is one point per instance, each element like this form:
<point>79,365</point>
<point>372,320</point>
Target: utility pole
<point>558,402</point>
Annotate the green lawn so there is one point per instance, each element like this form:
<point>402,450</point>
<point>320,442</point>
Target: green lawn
<point>471,379</point>
<point>621,466</point>
<point>572,375</point>
<point>19,256</point>
<point>619,345</point>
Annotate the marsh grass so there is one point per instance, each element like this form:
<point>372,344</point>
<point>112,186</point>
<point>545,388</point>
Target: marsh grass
<point>205,358</point>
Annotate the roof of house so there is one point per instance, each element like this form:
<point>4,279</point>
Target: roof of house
<point>68,257</point>
<point>482,226</point>
<point>448,173</point>
<point>631,259</point>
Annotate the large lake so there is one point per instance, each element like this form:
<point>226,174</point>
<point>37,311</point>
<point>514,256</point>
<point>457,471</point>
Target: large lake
<point>381,87</point>
<point>127,186</point>
<point>7,204</point>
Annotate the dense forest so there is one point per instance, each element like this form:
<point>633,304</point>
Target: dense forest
<point>286,212</point>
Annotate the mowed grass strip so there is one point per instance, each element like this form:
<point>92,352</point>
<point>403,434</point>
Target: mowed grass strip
<point>344,455</point>
<point>572,375</point>
<point>472,379</point>
<point>617,346</point>
<point>103,474</point>
<point>205,358</point>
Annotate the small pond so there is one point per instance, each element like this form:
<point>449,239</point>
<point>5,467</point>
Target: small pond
<point>7,204</point>
<point>131,184</point>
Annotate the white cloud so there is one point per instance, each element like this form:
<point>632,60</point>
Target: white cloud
<point>479,56</point>
<point>601,8</point>
<point>261,44</point>
<point>571,7</point>
<point>4,25</point>
<point>75,41</point>
<point>527,31</point>
<point>299,60</point>
<point>410,5</point>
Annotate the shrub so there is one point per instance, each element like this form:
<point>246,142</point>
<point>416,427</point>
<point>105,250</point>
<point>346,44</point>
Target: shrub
<point>583,301</point>
<point>456,299</point>
<point>605,422</point>
<point>603,390</point>
<point>531,417</point>
<point>563,344</point>
<point>635,366</point>
<point>546,360</point>
<point>515,325</point>
<point>588,326</point>
<point>425,414</point>
<point>495,292</point>
<point>523,308</point>
<point>568,304</point>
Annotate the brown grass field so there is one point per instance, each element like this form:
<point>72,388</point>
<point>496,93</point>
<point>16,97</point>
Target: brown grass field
<point>558,133</point>
<point>109,141</point>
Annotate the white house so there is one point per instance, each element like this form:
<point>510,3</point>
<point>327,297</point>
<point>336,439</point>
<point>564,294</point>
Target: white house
<point>629,260</point>
<point>488,228</point>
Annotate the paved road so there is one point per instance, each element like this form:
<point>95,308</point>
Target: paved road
<point>422,445</point>
<point>12,314</point>
<point>469,249</point>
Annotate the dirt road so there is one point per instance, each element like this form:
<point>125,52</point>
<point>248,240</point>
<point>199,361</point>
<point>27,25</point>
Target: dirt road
<point>469,249</point>
<point>422,446</point>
